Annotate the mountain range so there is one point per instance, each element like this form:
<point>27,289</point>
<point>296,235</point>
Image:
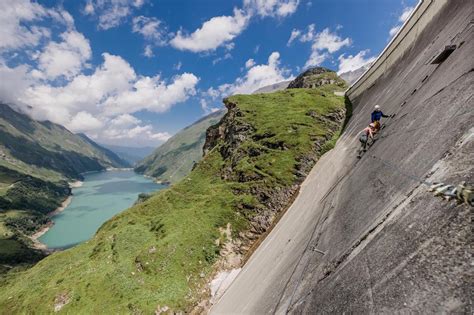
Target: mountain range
<point>174,159</point>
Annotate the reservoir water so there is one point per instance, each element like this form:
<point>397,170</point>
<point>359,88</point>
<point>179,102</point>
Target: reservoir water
<point>102,196</point>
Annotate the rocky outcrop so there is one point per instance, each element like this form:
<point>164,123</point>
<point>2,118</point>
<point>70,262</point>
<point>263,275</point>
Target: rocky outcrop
<point>228,137</point>
<point>316,77</point>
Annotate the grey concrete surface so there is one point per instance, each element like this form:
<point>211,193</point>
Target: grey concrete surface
<point>390,246</point>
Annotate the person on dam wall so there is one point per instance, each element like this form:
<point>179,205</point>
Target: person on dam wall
<point>366,135</point>
<point>376,116</point>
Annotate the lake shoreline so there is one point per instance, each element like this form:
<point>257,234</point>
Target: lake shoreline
<point>45,228</point>
<point>129,185</point>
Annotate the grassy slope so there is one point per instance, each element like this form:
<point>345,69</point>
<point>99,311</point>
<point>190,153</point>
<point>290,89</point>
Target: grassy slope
<point>154,253</point>
<point>174,159</point>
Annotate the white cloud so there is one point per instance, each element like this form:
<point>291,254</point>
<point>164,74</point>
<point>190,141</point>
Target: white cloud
<point>136,132</point>
<point>151,28</point>
<point>256,77</point>
<point>207,108</point>
<point>324,44</point>
<point>124,121</point>
<point>152,94</point>
<point>316,58</point>
<point>83,122</point>
<point>13,31</point>
<point>213,33</point>
<point>310,35</point>
<point>148,52</point>
<point>351,63</point>
<point>14,82</point>
<point>274,8</point>
<point>331,42</point>
<point>394,30</point>
<point>160,136</point>
<point>401,19</point>
<point>249,63</point>
<point>294,35</point>
<point>111,13</point>
<point>213,93</point>
<point>66,58</point>
<point>101,102</point>
<point>219,59</point>
<point>406,14</point>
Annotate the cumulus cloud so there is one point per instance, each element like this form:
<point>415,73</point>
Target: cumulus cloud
<point>102,102</point>
<point>15,16</point>
<point>53,84</point>
<point>257,76</point>
<point>152,94</point>
<point>274,8</point>
<point>83,122</point>
<point>65,58</point>
<point>124,121</point>
<point>401,19</point>
<point>324,44</point>
<point>326,40</point>
<point>221,30</point>
<point>111,13</point>
<point>351,63</point>
<point>213,33</point>
<point>113,89</point>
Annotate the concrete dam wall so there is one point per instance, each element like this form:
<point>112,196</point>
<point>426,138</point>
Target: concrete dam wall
<point>366,236</point>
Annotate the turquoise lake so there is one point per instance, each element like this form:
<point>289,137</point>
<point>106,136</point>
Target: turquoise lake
<point>102,196</point>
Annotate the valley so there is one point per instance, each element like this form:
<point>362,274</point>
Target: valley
<point>170,244</point>
<point>38,160</point>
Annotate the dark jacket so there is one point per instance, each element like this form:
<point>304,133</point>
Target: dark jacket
<point>377,115</point>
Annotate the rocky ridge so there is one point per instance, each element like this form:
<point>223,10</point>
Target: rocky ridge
<point>316,77</point>
<point>232,132</point>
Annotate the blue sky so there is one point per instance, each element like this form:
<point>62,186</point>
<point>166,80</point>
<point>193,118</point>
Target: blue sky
<point>134,72</point>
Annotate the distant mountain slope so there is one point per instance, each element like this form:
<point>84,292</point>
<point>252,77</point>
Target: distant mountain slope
<point>175,158</point>
<point>37,159</point>
<point>131,154</point>
<point>28,143</point>
<point>352,76</point>
<point>273,87</point>
<point>109,154</point>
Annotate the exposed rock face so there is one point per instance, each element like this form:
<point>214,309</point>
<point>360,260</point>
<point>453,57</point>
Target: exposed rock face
<point>230,133</point>
<point>316,77</point>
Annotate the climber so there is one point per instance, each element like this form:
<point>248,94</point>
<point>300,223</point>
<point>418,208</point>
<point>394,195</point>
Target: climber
<point>377,114</point>
<point>367,133</point>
